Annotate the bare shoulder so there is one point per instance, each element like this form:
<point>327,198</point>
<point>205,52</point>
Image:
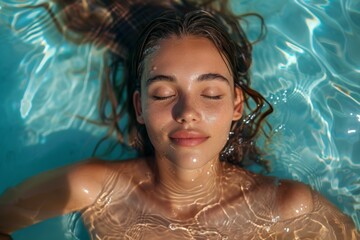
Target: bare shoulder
<point>284,198</point>
<point>87,179</point>
<point>296,204</point>
<point>93,172</point>
<point>293,199</point>
<point>323,219</point>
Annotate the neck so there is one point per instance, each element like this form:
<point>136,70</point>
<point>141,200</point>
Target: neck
<point>193,188</point>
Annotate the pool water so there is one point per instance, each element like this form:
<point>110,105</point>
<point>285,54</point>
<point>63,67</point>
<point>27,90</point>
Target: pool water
<point>308,67</point>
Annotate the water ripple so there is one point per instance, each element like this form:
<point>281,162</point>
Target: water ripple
<point>308,67</point>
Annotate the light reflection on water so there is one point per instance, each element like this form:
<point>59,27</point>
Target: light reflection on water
<point>307,67</point>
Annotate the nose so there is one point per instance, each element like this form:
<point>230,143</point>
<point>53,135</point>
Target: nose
<point>186,111</point>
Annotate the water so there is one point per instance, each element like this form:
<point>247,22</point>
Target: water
<point>307,67</point>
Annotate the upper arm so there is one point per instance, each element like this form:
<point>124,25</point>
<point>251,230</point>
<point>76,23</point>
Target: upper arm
<point>85,182</point>
<point>49,194</point>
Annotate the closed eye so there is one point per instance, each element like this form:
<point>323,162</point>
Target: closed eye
<point>159,98</point>
<point>217,97</point>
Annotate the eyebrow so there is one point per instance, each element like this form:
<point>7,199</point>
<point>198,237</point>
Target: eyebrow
<point>202,77</point>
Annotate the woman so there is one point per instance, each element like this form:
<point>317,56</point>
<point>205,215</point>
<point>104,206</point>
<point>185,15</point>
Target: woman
<point>189,83</point>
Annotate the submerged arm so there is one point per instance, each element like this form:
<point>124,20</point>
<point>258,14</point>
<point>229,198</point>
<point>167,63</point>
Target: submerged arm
<point>50,194</point>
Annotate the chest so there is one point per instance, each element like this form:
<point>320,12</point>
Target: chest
<point>138,217</point>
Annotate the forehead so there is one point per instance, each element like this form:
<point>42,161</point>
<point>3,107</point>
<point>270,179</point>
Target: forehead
<point>185,53</point>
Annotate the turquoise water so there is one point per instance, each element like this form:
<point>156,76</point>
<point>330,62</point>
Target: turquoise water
<point>308,67</point>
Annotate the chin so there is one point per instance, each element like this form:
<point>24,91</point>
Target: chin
<point>192,161</point>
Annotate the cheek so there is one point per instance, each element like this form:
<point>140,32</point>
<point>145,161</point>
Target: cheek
<point>219,119</point>
<point>156,114</point>
<point>156,120</point>
<point>219,113</point>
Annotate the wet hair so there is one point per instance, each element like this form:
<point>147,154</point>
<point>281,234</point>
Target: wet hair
<point>233,45</point>
<point>117,25</point>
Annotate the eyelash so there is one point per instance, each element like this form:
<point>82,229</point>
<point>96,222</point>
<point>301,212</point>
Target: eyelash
<point>217,97</point>
<point>159,98</point>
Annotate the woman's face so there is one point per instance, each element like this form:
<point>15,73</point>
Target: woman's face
<point>187,101</point>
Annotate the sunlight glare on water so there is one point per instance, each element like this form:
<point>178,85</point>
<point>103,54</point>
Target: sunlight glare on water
<point>307,66</point>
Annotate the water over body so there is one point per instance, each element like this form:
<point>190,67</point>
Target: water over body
<point>245,206</point>
<point>307,67</point>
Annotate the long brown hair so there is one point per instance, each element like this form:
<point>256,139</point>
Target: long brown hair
<point>129,28</point>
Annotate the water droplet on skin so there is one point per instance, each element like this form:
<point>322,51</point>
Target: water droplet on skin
<point>247,185</point>
<point>275,219</point>
<point>172,226</point>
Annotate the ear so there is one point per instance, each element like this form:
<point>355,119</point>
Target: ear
<point>238,104</point>
<point>137,107</point>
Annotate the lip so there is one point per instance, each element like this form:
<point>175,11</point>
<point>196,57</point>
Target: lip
<point>188,138</point>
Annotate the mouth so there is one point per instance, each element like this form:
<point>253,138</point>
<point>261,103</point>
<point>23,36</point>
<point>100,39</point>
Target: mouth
<point>186,138</point>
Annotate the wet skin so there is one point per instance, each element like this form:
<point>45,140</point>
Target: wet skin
<point>187,103</point>
<point>247,206</point>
